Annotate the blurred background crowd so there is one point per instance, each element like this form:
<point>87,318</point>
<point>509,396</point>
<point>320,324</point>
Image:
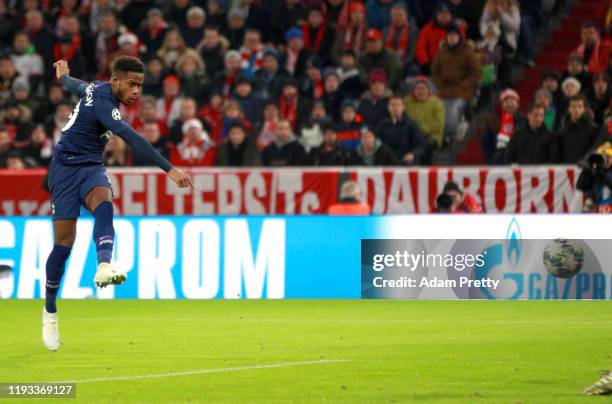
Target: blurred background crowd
<point>315,82</point>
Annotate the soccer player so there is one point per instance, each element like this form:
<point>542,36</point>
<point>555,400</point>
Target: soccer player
<point>78,177</point>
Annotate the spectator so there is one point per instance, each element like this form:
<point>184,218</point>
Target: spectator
<point>432,34</point>
<point>349,130</point>
<point>177,13</point>
<point>128,45</point>
<point>132,13</point>
<point>311,135</point>
<point>456,73</point>
<point>8,24</point>
<point>599,96</point>
<point>292,106</point>
<point>27,61</point>
<point>577,70</point>
<point>18,128</point>
<point>114,153</point>
<point>68,48</point>
<point>251,104</point>
<point>21,96</point>
<point>531,16</point>
<point>251,52</point>
<point>332,97</point>
<point>14,161</point>
<point>54,124</point>
<point>570,88</point>
<point>211,49</point>
<point>212,115</point>
<point>169,106</point>
<point>217,16</point>
<point>193,30</point>
<point>465,14</point>
<point>154,32</point>
<point>490,52</point>
<point>224,80</point>
<point>352,36</point>
<point>594,52</point>
<point>400,37</point>
<point>99,9</point>
<point>257,17</point>
<point>426,110</point>
<point>348,73</point>
<point>462,201</point>
<point>172,48</point>
<point>373,105</point>
<point>5,146</point>
<point>266,132</point>
<point>578,133</point>
<point>285,150</point>
<point>507,14</point>
<point>402,135</point>
<point>372,152</point>
<point>350,202</point>
<point>288,13</point>
<point>312,85</point>
<point>188,111</point>
<point>39,34</point>
<point>319,36</point>
<point>148,114</point>
<point>196,148</point>
<point>444,204</point>
<point>151,131</point>
<point>270,79</point>
<point>532,143</point>
<point>500,127</point>
<point>295,54</point>
<point>330,152</point>
<point>377,57</point>
<point>550,81</point>
<point>236,20</point>
<point>238,150</point>
<point>192,75</point>
<point>233,115</point>
<point>379,13</point>
<point>106,41</point>
<point>154,76</point>
<point>47,107</point>
<point>544,98</point>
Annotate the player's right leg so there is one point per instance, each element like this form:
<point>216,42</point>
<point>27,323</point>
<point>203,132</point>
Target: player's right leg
<point>64,233</point>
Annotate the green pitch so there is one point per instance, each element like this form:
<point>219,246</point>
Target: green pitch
<point>313,351</point>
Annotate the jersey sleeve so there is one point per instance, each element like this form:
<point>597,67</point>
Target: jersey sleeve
<point>109,115</point>
<point>75,86</point>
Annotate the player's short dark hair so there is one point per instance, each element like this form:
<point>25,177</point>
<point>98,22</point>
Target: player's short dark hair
<point>126,64</point>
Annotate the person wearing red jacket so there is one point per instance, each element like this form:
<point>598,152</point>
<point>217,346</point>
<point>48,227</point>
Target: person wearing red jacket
<point>594,51</point>
<point>196,148</point>
<point>433,34</point>
<point>462,201</point>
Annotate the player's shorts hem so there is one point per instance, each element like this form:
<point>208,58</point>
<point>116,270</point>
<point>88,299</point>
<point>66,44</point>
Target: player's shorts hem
<point>94,186</point>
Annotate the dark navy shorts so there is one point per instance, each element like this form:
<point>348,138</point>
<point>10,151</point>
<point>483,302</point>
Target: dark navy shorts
<point>70,184</point>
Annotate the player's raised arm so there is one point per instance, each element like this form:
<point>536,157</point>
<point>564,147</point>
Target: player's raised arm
<point>111,118</point>
<point>75,86</point>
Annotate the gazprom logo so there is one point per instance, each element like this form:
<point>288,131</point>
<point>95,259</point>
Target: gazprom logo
<point>513,242</point>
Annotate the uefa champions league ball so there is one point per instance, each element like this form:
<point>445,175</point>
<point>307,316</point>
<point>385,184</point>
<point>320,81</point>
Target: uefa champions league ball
<point>563,258</point>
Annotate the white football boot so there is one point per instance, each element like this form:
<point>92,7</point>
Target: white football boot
<point>106,275</point>
<point>50,330</point>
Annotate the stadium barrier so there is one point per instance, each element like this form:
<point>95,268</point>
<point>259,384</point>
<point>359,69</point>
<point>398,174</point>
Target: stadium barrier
<point>278,257</point>
<point>539,189</point>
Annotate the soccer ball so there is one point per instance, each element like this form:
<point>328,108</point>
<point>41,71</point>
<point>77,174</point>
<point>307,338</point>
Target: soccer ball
<point>563,258</point>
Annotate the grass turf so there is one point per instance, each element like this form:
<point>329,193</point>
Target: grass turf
<point>398,351</point>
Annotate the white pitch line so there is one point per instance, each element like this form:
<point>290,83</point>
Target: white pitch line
<point>204,371</point>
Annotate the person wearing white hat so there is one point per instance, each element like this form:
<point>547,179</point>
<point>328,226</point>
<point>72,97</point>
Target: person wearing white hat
<point>196,148</point>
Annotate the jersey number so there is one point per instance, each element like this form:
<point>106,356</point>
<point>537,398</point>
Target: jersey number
<point>72,117</point>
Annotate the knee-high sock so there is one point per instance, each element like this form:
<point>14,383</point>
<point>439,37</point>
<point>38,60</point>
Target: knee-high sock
<point>55,269</point>
<point>103,232</point>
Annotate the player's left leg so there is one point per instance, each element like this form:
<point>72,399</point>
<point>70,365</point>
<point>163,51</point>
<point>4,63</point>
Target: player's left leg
<point>99,202</point>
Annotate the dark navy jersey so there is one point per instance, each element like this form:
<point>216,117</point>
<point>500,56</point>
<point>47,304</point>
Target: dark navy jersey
<point>86,133</point>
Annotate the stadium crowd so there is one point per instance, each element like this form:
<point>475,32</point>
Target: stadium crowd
<point>290,83</point>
